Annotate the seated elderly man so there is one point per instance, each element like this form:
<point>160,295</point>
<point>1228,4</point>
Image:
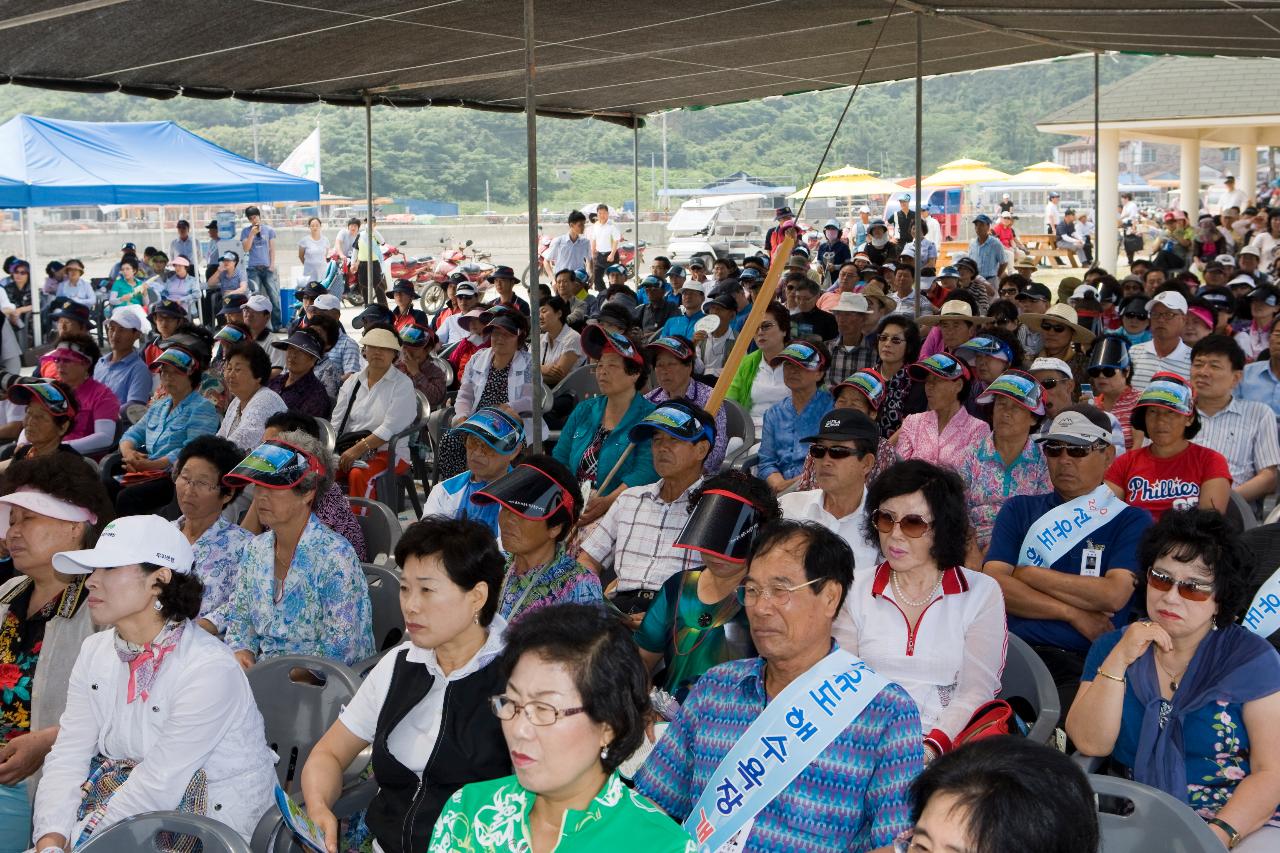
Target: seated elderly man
<point>1241,430</point>
<point>1067,561</point>
<point>492,438</point>
<point>844,452</point>
<point>637,533</point>
<point>802,748</point>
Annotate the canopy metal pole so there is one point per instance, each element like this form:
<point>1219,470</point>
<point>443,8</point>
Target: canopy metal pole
<point>1097,166</point>
<point>635,176</point>
<point>531,155</point>
<point>29,249</point>
<point>371,245</point>
<point>919,149</point>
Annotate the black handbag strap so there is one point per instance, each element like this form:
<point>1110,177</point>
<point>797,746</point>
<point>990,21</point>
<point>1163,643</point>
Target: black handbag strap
<point>346,416</point>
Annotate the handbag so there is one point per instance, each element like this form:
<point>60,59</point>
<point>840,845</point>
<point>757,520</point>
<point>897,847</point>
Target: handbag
<point>347,440</point>
<point>992,719</point>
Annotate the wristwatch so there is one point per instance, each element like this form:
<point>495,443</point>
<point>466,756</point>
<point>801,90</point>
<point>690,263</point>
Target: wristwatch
<point>1233,837</point>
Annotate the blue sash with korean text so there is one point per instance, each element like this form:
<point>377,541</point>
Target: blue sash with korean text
<point>1060,529</point>
<point>789,734</point>
<point>1263,615</point>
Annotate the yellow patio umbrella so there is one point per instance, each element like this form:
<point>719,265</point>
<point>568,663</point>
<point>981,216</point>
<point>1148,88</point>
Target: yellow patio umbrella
<point>849,182</point>
<point>1046,174</point>
<point>961,173</point>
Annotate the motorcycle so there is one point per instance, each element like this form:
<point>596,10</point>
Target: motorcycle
<point>353,294</point>
<point>470,262</point>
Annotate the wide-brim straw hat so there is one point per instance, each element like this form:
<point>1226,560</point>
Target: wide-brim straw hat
<point>1060,313</point>
<point>953,309</point>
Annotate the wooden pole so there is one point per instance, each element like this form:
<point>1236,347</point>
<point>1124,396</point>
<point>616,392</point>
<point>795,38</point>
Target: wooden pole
<point>748,332</point>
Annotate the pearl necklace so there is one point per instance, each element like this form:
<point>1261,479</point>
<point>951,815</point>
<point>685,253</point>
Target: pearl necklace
<point>902,598</point>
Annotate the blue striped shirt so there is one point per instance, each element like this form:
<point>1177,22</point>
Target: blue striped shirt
<point>989,255</point>
<point>167,428</point>
<point>852,798</point>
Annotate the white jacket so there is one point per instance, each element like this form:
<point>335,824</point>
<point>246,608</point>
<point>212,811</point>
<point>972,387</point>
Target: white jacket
<point>476,374</point>
<point>200,714</point>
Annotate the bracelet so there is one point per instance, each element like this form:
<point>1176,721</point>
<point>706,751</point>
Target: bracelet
<point>1233,837</point>
<point>1119,678</point>
<point>52,850</point>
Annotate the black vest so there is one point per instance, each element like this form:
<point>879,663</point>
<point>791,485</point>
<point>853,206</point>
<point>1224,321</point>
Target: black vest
<point>470,748</point>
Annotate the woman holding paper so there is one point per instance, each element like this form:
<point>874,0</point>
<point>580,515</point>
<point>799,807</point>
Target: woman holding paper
<point>1187,700</point>
<point>573,708</point>
<point>159,715</point>
<point>423,707</point>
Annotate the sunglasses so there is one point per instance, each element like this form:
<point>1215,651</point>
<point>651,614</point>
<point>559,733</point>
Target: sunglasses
<point>1095,372</point>
<point>1009,291</point>
<point>1050,384</point>
<point>819,451</point>
<point>1053,327</point>
<point>1054,449</point>
<point>1190,590</point>
<point>891,339</point>
<point>763,327</point>
<point>1134,315</point>
<point>913,525</point>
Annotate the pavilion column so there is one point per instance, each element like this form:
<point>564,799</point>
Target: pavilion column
<point>1108,202</point>
<point>1247,177</point>
<point>1189,178</point>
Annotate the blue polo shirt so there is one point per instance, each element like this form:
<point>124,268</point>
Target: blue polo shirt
<point>1118,539</point>
<point>1260,385</point>
<point>682,325</point>
<point>129,378</point>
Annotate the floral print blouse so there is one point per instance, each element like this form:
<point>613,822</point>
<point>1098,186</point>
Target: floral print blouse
<point>988,483</point>
<point>323,609</point>
<point>562,580</point>
<point>919,438</point>
<point>218,552</point>
<point>20,640</point>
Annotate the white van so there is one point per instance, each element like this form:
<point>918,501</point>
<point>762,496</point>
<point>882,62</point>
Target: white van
<point>718,226</point>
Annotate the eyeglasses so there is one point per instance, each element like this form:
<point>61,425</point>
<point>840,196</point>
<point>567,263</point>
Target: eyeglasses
<point>820,451</point>
<point>891,339</point>
<point>196,485</point>
<point>780,594</point>
<point>766,325</point>
<point>1050,384</point>
<point>1054,449</point>
<point>912,525</point>
<point>538,713</point>
<point>1190,590</point>
<point>1053,327</point>
<point>1095,372</point>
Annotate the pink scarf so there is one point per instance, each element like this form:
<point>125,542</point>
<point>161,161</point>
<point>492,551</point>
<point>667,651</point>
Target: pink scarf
<point>144,663</point>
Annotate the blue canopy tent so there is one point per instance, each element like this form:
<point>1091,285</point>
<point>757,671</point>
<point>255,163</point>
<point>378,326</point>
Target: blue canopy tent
<point>153,162</point>
<point>13,193</point>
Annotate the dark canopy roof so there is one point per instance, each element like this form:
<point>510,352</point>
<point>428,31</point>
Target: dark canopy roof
<point>637,59</point>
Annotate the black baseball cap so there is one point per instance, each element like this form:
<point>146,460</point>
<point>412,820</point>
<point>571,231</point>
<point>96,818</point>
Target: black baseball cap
<point>845,425</point>
<point>375,315</point>
<point>302,339</point>
<point>234,302</point>
<point>1035,290</point>
<point>169,308</point>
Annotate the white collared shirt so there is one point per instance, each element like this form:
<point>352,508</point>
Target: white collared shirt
<point>414,738</point>
<point>1147,364</point>
<point>808,506</point>
<point>1244,432</point>
<point>385,409</point>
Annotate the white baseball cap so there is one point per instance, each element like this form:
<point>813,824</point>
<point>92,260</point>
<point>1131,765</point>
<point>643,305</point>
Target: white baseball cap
<point>258,302</point>
<point>1052,364</point>
<point>1226,260</point>
<point>855,302</point>
<point>1074,428</point>
<point>693,286</point>
<point>129,317</point>
<point>327,302</point>
<point>128,540</point>
<point>1171,299</point>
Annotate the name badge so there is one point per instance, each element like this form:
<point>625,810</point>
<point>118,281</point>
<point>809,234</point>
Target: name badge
<point>1091,562</point>
<point>737,842</point>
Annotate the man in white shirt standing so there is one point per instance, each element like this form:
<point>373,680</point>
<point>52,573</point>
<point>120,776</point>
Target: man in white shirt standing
<point>571,250</point>
<point>605,237</point>
<point>844,452</point>
<point>1233,197</point>
<point>1052,215</point>
<point>1166,350</point>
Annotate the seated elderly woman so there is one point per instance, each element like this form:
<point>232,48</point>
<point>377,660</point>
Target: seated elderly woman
<point>50,504</point>
<point>1002,794</point>
<point>298,386</point>
<point>1006,462</point>
<point>331,506</point>
<point>246,371</point>
<point>781,453</point>
<point>865,392</point>
<point>416,343</point>
<point>423,707</point>
<point>50,411</point>
<point>94,428</point>
<point>922,619</point>
<point>159,716</point>
<point>1186,700</point>
<point>595,443</point>
<point>944,433</point>
<point>758,384</point>
<point>539,502</point>
<point>1171,472</point>
<point>217,543</point>
<point>673,371</point>
<point>697,621</point>
<point>573,709</point>
<point>300,590</point>
<point>149,448</point>
<point>372,406</point>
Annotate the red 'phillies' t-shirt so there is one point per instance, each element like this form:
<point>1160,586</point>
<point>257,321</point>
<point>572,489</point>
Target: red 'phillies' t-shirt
<point>1173,482</point>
